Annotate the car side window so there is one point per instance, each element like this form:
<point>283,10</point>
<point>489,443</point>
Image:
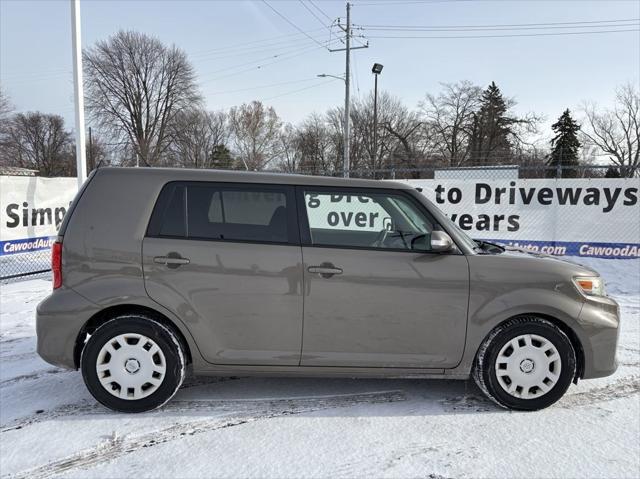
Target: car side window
<point>246,214</point>
<point>367,220</point>
<point>200,210</point>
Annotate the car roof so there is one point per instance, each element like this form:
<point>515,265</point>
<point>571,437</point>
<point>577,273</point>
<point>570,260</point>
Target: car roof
<point>230,176</point>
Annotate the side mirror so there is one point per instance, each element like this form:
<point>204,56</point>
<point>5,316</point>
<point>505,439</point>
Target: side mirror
<point>441,242</point>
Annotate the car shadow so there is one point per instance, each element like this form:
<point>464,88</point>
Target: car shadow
<point>66,398</point>
<point>348,396</point>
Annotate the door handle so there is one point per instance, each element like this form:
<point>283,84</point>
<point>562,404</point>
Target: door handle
<point>325,270</point>
<point>172,260</point>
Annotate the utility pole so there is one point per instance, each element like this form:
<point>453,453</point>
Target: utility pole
<point>347,81</point>
<point>81,164</point>
<point>347,97</point>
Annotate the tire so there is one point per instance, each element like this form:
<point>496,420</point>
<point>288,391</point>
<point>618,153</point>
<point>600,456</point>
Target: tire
<point>133,364</point>
<point>525,364</point>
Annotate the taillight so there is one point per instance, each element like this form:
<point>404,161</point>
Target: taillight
<point>56,264</point>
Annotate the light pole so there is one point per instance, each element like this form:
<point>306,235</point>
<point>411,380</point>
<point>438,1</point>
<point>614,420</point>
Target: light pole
<point>81,162</point>
<point>376,70</point>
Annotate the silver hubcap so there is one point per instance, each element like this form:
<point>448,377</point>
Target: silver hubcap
<point>131,366</point>
<point>528,366</point>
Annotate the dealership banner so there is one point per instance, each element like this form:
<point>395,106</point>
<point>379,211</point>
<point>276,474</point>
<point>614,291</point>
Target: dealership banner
<point>31,210</point>
<point>578,217</point>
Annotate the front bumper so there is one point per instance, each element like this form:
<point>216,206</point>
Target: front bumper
<point>599,322</point>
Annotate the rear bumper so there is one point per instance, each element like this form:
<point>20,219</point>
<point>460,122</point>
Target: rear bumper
<point>600,324</point>
<point>59,319</point>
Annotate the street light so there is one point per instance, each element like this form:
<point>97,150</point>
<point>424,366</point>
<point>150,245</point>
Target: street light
<point>324,75</point>
<point>376,70</point>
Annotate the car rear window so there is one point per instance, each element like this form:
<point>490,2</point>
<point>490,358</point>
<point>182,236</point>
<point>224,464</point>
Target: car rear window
<point>220,212</point>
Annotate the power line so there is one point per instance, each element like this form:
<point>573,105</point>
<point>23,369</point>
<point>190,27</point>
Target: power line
<point>408,2</point>
<point>507,35</point>
<point>320,10</point>
<point>291,23</point>
<point>313,13</point>
<point>259,67</point>
<point>246,48</point>
<point>262,86</point>
<point>274,54</point>
<point>29,74</point>
<point>39,78</point>
<point>282,53</point>
<point>355,76</point>
<point>316,85</point>
<point>252,50</point>
<point>253,42</point>
<point>470,30</point>
<point>427,2</point>
<point>508,24</point>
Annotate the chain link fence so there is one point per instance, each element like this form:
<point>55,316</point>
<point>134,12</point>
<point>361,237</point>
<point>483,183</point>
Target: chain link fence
<point>38,263</point>
<point>35,264</point>
<point>497,171</point>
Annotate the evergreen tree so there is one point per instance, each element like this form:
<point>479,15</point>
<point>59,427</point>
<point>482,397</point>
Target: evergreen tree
<point>221,158</point>
<point>565,146</point>
<point>491,129</point>
<point>612,172</point>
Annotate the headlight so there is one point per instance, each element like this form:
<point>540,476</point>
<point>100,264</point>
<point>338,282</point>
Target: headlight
<point>590,285</point>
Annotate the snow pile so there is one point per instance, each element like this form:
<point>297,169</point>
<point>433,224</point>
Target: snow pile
<point>265,427</point>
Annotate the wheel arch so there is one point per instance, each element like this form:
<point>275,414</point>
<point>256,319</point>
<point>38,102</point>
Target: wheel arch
<point>561,325</point>
<point>104,315</point>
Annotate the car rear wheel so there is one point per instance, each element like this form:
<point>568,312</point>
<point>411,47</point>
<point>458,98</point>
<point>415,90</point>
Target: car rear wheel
<point>133,363</point>
<point>525,364</point>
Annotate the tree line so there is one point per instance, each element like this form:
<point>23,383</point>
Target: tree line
<point>145,109</point>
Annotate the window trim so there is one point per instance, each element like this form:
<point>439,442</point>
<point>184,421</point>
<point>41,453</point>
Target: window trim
<point>159,210</point>
<point>305,232</point>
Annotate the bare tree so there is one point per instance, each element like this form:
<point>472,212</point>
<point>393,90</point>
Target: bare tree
<point>6,108</point>
<point>616,131</point>
<point>196,137</point>
<point>398,134</point>
<point>449,118</point>
<point>317,146</point>
<point>334,119</point>
<point>408,149</point>
<point>97,152</point>
<point>40,142</point>
<point>290,153</point>
<point>135,86</point>
<point>255,131</point>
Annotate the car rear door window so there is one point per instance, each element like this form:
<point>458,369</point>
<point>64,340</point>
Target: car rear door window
<point>199,210</point>
<point>247,214</point>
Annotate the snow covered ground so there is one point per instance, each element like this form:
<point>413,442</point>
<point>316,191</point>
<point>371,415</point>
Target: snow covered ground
<point>263,427</point>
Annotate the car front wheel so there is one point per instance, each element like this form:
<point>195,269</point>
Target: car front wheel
<point>525,364</point>
<point>133,363</point>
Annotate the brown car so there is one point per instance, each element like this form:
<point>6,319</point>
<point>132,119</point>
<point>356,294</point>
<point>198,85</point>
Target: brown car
<point>253,273</point>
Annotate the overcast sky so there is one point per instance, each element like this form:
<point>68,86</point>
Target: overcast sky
<point>233,44</point>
